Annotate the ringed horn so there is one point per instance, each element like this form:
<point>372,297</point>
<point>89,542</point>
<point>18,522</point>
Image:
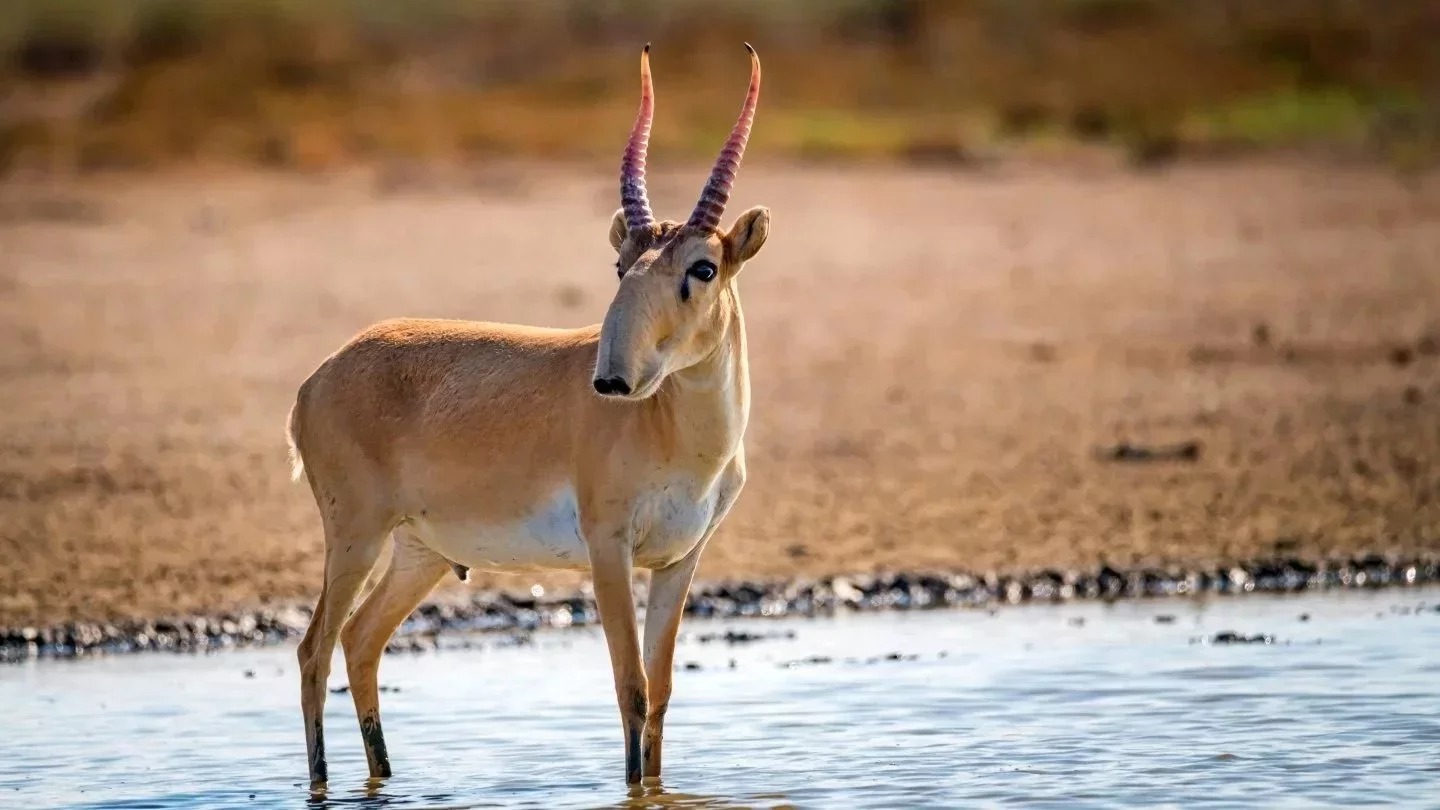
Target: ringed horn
<point>635,200</point>
<point>717,190</point>
<point>633,197</point>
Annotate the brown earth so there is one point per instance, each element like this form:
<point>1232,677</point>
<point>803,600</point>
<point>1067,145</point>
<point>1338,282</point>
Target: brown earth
<point>936,358</point>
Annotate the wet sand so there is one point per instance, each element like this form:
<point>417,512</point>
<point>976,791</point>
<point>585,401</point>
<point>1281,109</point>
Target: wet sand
<point>952,370</point>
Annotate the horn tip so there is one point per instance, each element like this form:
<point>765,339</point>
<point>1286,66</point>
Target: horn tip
<point>750,48</point>
<point>647,48</point>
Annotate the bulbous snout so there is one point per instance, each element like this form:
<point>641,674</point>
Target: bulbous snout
<point>612,386</point>
<point>620,364</point>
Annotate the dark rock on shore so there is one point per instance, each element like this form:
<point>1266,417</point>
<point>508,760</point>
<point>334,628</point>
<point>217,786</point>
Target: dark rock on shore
<point>813,660</point>
<point>344,689</point>
<point>519,615</point>
<point>191,634</point>
<point>1231,637</point>
<point>733,637</point>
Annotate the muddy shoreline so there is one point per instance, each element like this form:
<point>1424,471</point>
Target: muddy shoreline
<point>490,611</point>
<point>1061,366</point>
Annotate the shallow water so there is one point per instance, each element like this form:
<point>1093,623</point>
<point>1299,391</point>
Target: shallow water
<point>1074,705</point>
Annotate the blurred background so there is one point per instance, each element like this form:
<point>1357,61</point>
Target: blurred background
<point>1052,284</point>
<point>127,84</point>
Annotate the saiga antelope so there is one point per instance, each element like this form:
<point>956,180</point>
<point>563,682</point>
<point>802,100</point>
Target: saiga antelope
<point>515,448</point>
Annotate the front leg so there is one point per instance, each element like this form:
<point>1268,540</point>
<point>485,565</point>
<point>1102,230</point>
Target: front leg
<point>668,589</point>
<point>610,561</point>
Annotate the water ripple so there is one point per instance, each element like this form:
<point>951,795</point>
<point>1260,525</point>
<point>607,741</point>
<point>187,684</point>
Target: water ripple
<point>1031,707</point>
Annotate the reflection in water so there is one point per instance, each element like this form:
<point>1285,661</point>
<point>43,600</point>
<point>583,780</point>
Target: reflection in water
<point>1075,705</point>
<point>657,797</point>
<point>649,796</point>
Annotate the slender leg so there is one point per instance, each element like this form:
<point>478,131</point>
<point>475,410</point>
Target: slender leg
<point>610,561</point>
<point>350,555</point>
<point>668,589</point>
<point>414,571</point>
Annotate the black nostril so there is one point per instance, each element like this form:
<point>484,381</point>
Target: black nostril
<point>611,385</point>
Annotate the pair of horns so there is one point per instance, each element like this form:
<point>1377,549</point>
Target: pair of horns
<point>633,198</point>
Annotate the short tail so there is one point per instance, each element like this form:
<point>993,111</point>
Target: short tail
<point>297,462</point>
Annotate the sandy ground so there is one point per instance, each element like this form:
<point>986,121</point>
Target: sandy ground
<point>936,358</point>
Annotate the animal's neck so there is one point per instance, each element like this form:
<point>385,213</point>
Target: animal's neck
<point>708,404</point>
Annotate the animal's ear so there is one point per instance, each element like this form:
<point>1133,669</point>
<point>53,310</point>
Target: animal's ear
<point>747,235</point>
<point>618,229</point>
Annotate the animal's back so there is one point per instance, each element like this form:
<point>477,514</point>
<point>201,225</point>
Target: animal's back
<point>441,393</point>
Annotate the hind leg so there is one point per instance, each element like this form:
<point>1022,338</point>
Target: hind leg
<point>414,571</point>
<point>352,546</point>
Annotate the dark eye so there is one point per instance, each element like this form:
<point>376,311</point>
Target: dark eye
<point>703,270</point>
<point>619,270</point>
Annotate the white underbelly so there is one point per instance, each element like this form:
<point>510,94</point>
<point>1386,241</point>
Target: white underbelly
<point>665,525</point>
<point>546,539</point>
